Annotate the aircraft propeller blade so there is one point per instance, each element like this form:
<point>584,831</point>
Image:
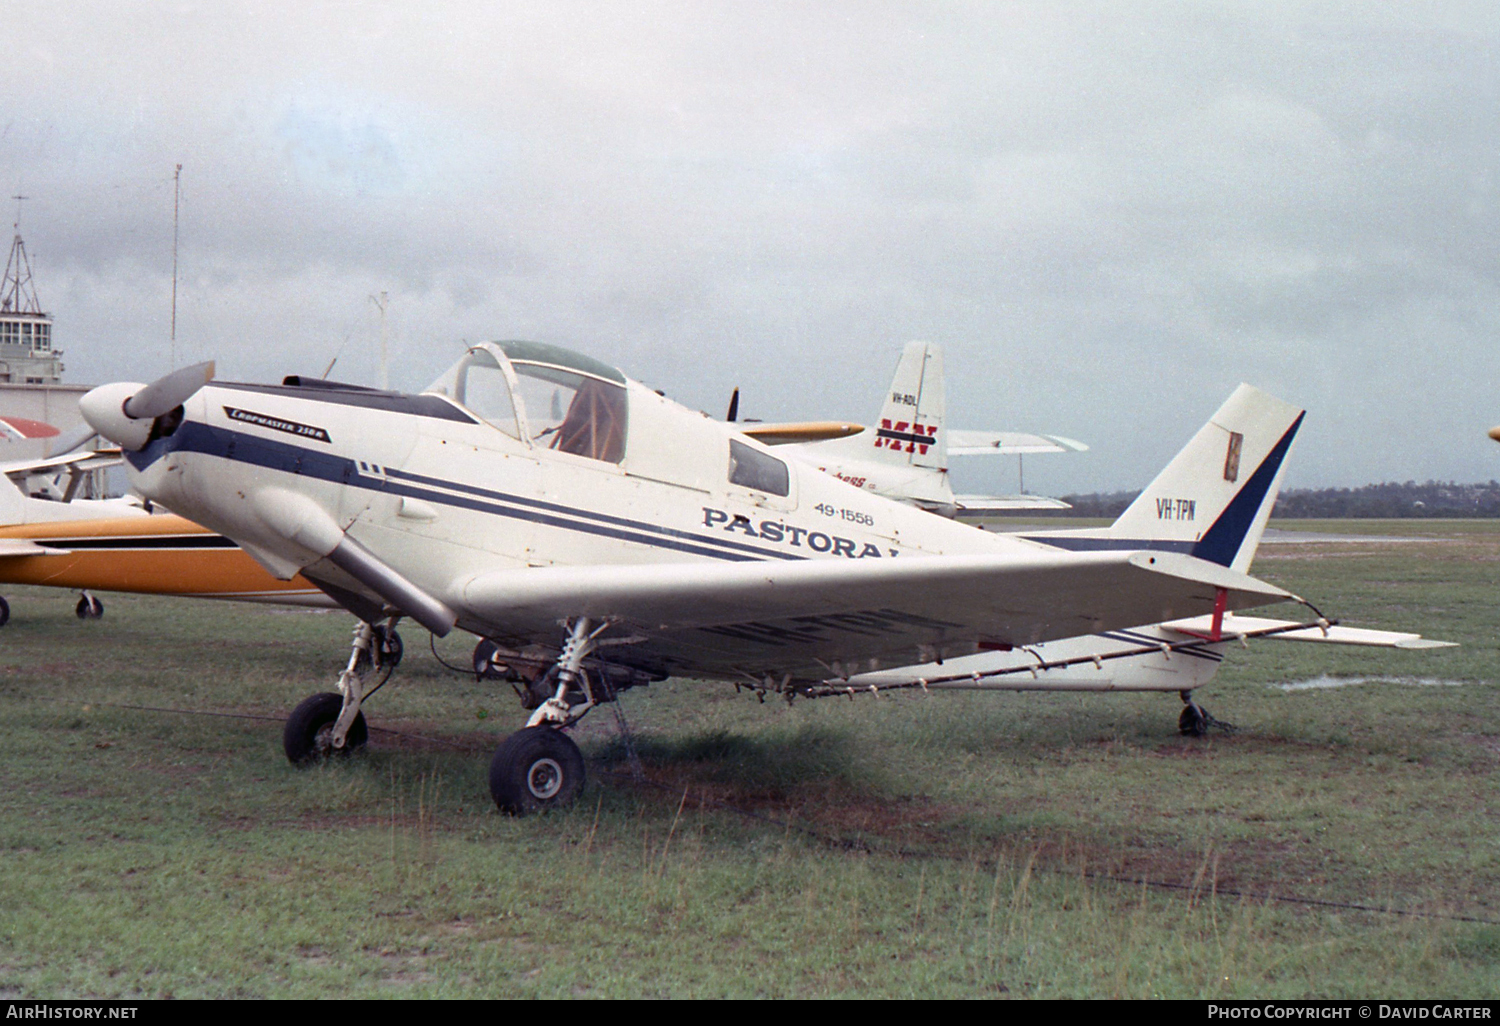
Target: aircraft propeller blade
<point>166,393</point>
<point>734,406</point>
<point>75,439</point>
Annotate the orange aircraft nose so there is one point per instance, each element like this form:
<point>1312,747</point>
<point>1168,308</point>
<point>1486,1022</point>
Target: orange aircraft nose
<point>1495,433</point>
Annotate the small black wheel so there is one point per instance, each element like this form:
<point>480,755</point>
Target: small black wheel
<point>484,668</point>
<point>536,769</point>
<point>96,608</point>
<point>82,609</point>
<point>389,643</point>
<point>1193,722</point>
<point>4,612</point>
<point>308,737</point>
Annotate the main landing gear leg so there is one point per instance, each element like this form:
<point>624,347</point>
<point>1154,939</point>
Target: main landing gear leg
<point>540,767</point>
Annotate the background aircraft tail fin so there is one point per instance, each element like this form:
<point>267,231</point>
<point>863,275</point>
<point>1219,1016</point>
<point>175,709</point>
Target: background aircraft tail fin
<point>1214,498</point>
<point>909,431</point>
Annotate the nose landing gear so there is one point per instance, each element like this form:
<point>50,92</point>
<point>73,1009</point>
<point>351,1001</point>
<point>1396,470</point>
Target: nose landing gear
<point>331,723</point>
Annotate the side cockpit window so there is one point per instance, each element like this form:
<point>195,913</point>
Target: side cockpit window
<point>479,383</point>
<point>751,468</point>
<point>573,413</point>
<point>545,395</point>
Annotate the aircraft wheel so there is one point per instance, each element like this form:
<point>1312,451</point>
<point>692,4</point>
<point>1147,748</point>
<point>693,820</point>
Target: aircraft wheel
<point>4,612</point>
<point>483,653</point>
<point>1193,722</point>
<point>308,737</point>
<point>88,608</point>
<point>536,769</point>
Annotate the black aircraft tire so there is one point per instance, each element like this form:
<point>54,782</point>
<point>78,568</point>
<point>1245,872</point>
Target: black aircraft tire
<point>82,609</point>
<point>392,648</point>
<point>536,769</point>
<point>306,737</point>
<point>1192,722</point>
<point>4,612</point>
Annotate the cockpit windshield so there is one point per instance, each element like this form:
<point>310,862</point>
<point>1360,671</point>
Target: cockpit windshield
<point>561,400</point>
<point>480,383</point>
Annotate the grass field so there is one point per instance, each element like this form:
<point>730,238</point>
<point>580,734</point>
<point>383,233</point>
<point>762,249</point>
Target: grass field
<point>1003,845</point>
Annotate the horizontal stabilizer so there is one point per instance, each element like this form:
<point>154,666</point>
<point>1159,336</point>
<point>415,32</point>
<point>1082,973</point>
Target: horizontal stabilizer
<point>1008,443</point>
<point>1236,627</point>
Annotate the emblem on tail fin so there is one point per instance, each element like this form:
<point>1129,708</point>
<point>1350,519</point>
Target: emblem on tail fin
<point>1232,457</point>
<point>915,437</point>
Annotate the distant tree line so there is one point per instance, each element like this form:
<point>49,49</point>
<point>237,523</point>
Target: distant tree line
<point>1433,499</point>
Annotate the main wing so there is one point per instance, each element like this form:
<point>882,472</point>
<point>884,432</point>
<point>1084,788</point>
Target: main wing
<point>810,619</point>
<point>88,459</point>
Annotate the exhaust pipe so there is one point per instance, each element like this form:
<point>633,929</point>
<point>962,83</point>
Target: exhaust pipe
<point>300,520</point>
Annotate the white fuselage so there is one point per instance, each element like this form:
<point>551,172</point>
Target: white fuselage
<point>443,496</point>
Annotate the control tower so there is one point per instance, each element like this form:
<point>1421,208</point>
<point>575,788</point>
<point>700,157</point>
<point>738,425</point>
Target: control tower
<point>26,353</point>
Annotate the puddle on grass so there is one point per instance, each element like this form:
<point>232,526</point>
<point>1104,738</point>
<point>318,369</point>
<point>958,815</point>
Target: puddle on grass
<point>1326,681</point>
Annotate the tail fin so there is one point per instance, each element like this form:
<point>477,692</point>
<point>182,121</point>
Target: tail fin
<point>910,429</point>
<point>1213,500</point>
<point>1217,494</point>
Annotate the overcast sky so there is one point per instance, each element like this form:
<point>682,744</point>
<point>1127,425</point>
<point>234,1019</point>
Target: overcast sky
<point>1108,214</point>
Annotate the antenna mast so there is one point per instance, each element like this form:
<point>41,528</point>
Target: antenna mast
<point>380,303</point>
<point>176,198</point>
<point>17,293</point>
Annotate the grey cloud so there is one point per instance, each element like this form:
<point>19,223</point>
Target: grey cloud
<point>1108,213</point>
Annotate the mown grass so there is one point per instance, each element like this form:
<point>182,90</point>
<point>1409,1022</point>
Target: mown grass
<point>957,845</point>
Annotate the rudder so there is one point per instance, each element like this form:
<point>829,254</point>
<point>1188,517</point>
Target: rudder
<point>910,428</point>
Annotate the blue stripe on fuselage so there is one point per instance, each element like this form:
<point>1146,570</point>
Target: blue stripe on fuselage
<point>208,440</point>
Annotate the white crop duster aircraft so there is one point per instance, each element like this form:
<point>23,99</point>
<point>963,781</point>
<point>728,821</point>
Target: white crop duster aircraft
<point>601,536</point>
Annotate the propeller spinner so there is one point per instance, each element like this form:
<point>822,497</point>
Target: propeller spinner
<point>125,412</point>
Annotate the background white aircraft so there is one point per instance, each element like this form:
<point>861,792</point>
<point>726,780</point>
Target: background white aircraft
<point>601,536</point>
<point>904,455</point>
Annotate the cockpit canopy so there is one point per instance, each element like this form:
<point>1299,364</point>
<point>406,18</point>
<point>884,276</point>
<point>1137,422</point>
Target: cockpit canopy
<point>551,397</point>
